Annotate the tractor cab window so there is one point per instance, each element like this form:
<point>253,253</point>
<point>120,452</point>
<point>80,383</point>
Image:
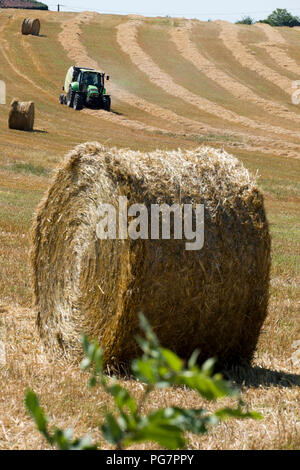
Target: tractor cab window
<point>90,78</point>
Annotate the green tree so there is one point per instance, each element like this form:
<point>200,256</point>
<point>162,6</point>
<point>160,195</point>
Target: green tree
<point>281,17</point>
<point>157,368</point>
<point>246,20</point>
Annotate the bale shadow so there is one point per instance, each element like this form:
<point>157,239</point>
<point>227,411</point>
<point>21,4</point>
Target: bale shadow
<point>255,377</point>
<point>116,112</point>
<point>39,131</point>
<point>31,131</point>
<point>43,36</point>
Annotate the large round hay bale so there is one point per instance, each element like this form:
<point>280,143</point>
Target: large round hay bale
<point>21,115</point>
<point>35,27</point>
<point>26,26</point>
<point>31,26</point>
<point>214,299</point>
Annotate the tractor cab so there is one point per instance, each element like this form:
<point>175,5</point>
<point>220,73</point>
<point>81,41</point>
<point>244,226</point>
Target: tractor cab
<point>87,78</point>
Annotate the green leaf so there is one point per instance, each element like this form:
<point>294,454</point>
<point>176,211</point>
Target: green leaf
<point>172,360</point>
<point>34,408</point>
<point>149,332</point>
<point>93,381</point>
<point>84,443</point>
<point>111,430</point>
<point>210,388</point>
<point>98,359</point>
<point>193,359</point>
<point>122,398</point>
<point>93,358</point>
<point>63,439</point>
<point>160,431</point>
<point>144,370</point>
<point>208,366</point>
<point>85,343</point>
<point>148,348</point>
<point>192,420</point>
<point>225,413</point>
<point>85,363</point>
<point>169,437</point>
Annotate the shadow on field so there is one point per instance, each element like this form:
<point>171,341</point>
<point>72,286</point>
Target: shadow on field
<point>258,376</point>
<point>39,131</point>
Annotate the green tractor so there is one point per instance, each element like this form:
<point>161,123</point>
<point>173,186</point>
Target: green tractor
<point>85,87</point>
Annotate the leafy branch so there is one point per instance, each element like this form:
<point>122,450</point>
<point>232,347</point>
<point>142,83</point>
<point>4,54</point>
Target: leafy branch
<point>157,368</point>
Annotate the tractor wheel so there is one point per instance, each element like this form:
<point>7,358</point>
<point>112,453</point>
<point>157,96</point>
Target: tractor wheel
<point>61,99</point>
<point>106,103</point>
<point>70,98</point>
<point>78,104</point>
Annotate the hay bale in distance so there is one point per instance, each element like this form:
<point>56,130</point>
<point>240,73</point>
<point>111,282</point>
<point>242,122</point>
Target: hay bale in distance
<point>35,27</point>
<point>26,27</point>
<point>214,299</point>
<point>31,26</point>
<point>21,115</point>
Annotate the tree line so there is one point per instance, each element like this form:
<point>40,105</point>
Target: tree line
<point>279,17</point>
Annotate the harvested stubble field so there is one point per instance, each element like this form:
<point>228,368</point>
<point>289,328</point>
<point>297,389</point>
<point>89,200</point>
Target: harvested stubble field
<point>174,84</point>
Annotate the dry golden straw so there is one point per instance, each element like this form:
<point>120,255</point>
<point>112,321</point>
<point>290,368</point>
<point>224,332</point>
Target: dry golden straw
<point>214,299</point>
<point>31,26</point>
<point>21,115</point>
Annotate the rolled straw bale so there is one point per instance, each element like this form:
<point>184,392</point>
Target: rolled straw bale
<point>31,26</point>
<point>35,27</point>
<point>21,115</point>
<point>214,299</point>
<point>26,26</point>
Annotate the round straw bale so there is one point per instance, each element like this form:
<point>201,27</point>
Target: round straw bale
<point>31,26</point>
<point>35,27</point>
<point>214,299</point>
<point>21,115</point>
<point>26,27</point>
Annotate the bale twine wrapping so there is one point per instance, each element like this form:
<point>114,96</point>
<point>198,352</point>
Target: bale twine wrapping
<point>214,299</point>
<point>21,115</point>
<point>31,26</point>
